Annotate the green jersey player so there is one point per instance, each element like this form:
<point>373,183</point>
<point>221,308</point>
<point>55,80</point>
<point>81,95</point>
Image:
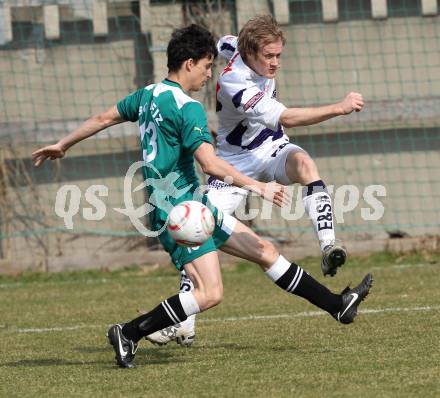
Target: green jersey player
<point>172,127</point>
<point>173,132</point>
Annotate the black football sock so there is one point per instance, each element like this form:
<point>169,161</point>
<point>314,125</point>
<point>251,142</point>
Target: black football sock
<point>167,313</point>
<point>294,279</point>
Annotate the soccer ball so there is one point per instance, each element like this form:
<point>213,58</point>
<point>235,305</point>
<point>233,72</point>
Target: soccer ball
<point>190,223</point>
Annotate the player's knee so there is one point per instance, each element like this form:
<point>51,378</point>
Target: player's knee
<point>269,255</point>
<point>215,297</point>
<point>306,168</point>
<point>210,298</point>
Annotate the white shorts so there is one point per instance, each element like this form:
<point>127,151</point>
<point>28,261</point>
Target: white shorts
<point>267,163</point>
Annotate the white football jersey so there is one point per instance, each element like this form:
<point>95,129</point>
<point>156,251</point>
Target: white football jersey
<point>247,109</point>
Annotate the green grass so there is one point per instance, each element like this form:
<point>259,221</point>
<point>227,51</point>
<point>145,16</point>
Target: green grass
<point>291,350</point>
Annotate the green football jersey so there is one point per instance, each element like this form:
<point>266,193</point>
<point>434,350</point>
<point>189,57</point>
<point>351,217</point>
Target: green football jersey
<point>172,126</point>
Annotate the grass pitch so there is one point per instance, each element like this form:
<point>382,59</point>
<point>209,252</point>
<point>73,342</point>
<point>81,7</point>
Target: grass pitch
<point>260,342</point>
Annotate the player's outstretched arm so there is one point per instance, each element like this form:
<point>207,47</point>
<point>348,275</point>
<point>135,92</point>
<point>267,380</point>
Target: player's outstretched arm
<point>213,165</point>
<point>293,117</point>
<point>90,127</point>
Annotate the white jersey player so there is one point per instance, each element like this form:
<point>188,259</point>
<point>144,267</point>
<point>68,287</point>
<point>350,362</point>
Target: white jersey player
<point>251,136</point>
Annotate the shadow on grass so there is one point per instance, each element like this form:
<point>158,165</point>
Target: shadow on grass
<point>144,357</point>
<point>227,346</point>
<point>91,350</point>
<point>48,362</point>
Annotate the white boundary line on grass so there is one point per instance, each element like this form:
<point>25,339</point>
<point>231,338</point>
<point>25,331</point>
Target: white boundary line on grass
<point>320,313</point>
<point>232,319</point>
<point>91,281</point>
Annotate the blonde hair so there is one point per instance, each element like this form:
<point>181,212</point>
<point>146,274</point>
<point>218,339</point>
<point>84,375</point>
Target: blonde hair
<point>257,32</point>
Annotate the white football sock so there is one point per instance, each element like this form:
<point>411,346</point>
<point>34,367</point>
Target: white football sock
<point>318,206</point>
<point>278,268</point>
<point>189,303</point>
<point>186,285</point>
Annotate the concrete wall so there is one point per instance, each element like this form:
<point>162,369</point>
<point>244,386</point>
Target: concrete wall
<point>68,82</point>
<point>393,63</point>
<point>46,91</point>
<point>411,204</point>
<point>409,178</point>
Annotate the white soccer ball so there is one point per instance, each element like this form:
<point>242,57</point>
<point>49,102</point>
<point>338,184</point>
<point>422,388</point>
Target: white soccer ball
<point>190,223</point>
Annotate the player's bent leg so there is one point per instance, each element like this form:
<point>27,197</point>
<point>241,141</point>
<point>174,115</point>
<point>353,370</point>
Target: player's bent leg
<point>292,278</point>
<point>301,168</point>
<point>205,274</point>
<point>246,244</point>
<point>227,199</point>
<point>208,292</point>
<point>182,333</point>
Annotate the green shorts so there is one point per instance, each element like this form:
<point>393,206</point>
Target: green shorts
<point>180,255</point>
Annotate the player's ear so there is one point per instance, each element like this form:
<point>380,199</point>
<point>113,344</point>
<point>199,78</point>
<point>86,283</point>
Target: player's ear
<point>189,64</point>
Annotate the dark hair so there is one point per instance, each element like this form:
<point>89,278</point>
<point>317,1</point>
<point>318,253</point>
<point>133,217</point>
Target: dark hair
<point>190,42</point>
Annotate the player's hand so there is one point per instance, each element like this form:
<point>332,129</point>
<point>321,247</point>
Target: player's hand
<point>275,193</point>
<point>352,102</point>
<point>49,152</point>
